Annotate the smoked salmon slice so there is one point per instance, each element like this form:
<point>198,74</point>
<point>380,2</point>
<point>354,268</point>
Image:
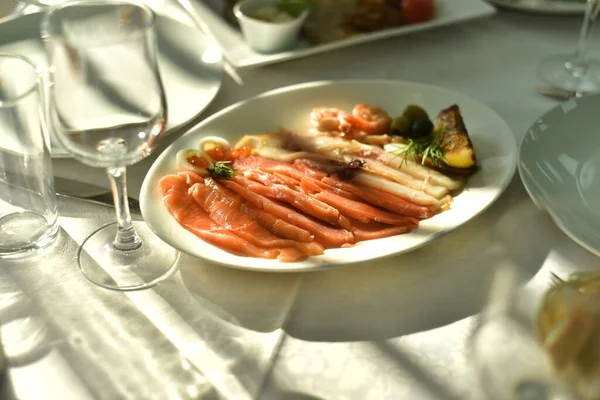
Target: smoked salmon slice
<point>311,185</point>
<point>309,169</point>
<point>288,180</point>
<point>299,200</point>
<point>191,177</point>
<point>375,230</point>
<point>277,225</point>
<point>264,164</point>
<point>383,199</point>
<point>364,212</point>
<point>328,236</point>
<point>226,208</point>
<point>193,218</point>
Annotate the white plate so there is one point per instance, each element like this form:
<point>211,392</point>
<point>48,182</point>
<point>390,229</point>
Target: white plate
<point>239,54</point>
<point>559,163</point>
<point>560,7</point>
<point>189,62</point>
<point>290,107</point>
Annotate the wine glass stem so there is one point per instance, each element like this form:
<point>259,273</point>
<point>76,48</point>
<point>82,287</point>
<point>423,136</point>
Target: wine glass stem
<point>126,239</point>
<point>578,65</point>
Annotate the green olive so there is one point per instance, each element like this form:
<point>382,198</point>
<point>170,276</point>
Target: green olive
<point>415,113</point>
<point>401,126</point>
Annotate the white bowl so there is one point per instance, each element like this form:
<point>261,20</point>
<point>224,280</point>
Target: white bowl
<point>266,37</point>
<point>559,163</point>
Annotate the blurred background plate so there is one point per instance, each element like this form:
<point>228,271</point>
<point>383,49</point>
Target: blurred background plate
<point>559,163</point>
<point>239,54</point>
<point>560,7</point>
<point>189,62</point>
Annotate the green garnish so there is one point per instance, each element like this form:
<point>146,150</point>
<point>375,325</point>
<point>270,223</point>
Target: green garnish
<point>296,7</point>
<point>422,148</point>
<point>221,170</point>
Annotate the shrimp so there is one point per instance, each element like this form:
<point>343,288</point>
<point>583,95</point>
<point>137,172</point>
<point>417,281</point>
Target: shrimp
<point>370,120</point>
<point>329,120</point>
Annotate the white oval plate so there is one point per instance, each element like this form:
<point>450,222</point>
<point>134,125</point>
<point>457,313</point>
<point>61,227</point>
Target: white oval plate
<point>290,107</point>
<point>558,7</point>
<point>559,164</point>
<point>189,61</point>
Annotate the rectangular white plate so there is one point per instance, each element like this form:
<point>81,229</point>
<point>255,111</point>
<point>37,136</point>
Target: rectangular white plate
<point>560,7</point>
<point>241,55</point>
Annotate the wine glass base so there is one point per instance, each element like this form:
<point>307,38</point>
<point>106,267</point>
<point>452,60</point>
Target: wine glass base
<point>555,72</point>
<point>106,266</point>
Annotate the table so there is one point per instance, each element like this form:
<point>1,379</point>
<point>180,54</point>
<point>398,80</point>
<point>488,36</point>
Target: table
<point>390,329</point>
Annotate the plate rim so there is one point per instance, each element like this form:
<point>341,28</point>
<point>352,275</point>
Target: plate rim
<point>540,202</point>
<point>208,39</point>
<point>569,7</point>
<point>146,189</point>
<point>256,59</point>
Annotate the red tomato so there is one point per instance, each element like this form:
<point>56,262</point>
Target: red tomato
<point>415,11</point>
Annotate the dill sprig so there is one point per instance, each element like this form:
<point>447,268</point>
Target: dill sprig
<point>422,148</point>
<point>221,170</point>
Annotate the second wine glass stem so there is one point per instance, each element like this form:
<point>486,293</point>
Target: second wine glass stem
<point>126,239</point>
<point>578,65</point>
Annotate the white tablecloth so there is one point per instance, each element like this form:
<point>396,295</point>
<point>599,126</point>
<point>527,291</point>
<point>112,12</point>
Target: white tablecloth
<point>390,329</point>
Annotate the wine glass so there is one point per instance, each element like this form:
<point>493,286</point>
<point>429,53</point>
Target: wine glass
<point>106,105</point>
<point>507,357</point>
<point>577,72</point>
<point>39,3</point>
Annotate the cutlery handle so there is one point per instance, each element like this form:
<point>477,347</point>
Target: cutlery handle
<point>106,199</point>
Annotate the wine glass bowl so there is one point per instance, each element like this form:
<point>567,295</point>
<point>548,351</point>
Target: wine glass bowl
<point>568,324</point>
<point>106,105</point>
<point>561,72</point>
<point>507,360</point>
<point>107,101</point>
<point>576,72</point>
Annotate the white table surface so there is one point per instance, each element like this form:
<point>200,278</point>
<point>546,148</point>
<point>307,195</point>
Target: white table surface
<point>391,329</point>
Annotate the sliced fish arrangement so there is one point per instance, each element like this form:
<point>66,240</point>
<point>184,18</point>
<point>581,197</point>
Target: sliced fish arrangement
<point>353,176</point>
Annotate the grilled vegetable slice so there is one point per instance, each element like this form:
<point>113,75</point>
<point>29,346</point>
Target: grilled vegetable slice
<point>455,142</point>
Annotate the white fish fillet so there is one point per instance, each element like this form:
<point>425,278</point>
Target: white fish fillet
<point>415,196</point>
<point>404,178</point>
<point>420,183</point>
<point>422,171</point>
